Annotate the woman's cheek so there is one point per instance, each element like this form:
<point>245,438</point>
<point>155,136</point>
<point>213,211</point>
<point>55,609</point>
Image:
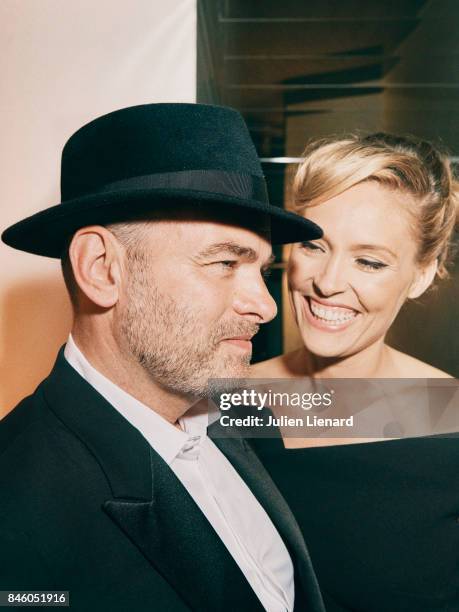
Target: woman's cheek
<point>381,291</point>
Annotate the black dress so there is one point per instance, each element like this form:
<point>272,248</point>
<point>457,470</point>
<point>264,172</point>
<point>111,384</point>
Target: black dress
<point>380,519</point>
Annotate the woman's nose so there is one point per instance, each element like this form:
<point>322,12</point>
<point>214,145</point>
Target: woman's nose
<point>330,278</point>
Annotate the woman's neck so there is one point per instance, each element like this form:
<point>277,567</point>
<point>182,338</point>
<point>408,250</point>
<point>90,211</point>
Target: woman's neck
<point>375,361</point>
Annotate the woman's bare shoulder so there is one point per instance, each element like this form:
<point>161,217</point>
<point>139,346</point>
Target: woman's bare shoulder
<point>282,366</point>
<point>410,367</point>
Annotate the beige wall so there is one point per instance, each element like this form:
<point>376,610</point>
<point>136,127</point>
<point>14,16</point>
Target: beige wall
<point>62,63</point>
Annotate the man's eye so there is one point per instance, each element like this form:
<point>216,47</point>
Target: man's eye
<point>308,245</point>
<point>371,264</point>
<point>228,264</point>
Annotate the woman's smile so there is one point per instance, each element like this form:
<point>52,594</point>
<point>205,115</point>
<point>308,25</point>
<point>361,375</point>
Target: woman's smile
<point>329,317</point>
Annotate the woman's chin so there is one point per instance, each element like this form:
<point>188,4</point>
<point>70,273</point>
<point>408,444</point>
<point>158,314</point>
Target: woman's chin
<point>325,347</point>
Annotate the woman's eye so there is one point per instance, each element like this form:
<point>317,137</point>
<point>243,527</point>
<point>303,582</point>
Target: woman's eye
<point>371,264</point>
<point>310,246</point>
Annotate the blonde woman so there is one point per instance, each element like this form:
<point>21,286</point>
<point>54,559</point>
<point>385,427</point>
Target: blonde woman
<point>387,206</point>
<point>380,518</point>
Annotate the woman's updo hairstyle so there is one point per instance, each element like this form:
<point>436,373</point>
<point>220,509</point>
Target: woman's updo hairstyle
<point>333,165</point>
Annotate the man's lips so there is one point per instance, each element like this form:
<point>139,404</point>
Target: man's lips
<point>243,342</point>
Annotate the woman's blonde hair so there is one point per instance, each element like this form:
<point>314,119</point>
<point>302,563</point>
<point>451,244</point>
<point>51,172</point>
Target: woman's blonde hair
<point>333,165</point>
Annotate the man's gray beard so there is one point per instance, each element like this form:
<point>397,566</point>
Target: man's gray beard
<point>177,350</point>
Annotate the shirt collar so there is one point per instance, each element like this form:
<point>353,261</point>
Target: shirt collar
<point>168,441</point>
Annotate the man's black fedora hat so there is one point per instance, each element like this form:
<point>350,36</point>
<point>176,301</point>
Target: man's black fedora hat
<point>127,162</point>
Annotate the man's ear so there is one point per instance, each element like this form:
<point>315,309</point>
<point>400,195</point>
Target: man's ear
<point>96,260</point>
<point>423,280</point>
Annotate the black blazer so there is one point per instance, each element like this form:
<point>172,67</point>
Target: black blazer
<point>87,506</point>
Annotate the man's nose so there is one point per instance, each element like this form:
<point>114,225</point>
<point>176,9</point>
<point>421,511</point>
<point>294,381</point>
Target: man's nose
<point>256,302</point>
<point>331,277</point>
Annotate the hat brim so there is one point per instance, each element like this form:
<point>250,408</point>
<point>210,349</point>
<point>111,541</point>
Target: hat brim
<point>46,232</point>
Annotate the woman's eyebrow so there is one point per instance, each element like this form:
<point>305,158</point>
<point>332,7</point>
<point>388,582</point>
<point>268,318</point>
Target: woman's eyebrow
<point>374,247</point>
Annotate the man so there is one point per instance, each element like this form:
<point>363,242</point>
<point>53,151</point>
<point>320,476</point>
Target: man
<point>111,489</point>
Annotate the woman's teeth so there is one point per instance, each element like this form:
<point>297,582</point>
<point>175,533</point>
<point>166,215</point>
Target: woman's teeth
<point>335,315</point>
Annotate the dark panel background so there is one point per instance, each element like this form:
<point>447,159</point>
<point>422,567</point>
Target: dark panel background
<point>303,69</point>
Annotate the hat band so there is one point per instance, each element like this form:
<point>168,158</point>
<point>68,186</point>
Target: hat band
<point>233,184</point>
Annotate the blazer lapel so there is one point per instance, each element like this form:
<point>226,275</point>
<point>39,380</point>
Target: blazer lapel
<point>148,502</point>
<point>172,532</point>
<point>246,462</point>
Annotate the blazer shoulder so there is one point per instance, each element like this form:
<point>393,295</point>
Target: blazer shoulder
<point>20,418</point>
<point>43,460</point>
<point>34,438</point>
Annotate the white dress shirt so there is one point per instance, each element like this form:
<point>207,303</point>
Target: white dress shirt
<point>226,501</point>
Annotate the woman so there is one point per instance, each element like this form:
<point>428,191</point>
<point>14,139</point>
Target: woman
<point>380,518</point>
